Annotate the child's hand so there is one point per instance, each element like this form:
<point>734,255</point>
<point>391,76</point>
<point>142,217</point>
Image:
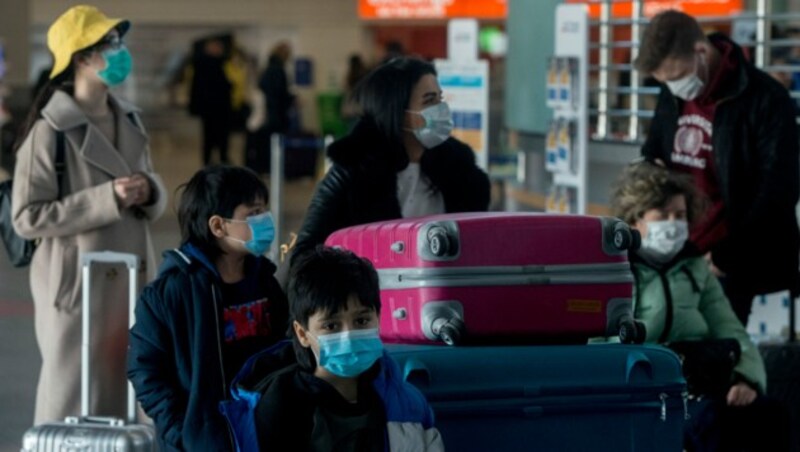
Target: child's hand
<point>741,394</point>
<point>714,269</point>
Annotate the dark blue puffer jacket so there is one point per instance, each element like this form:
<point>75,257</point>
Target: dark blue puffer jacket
<point>175,359</point>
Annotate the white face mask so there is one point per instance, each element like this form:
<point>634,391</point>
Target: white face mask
<point>664,240</point>
<point>438,125</point>
<point>689,87</point>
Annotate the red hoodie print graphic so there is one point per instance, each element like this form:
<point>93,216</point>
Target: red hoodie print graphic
<point>247,320</point>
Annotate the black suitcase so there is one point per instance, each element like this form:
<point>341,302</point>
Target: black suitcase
<point>782,360</point>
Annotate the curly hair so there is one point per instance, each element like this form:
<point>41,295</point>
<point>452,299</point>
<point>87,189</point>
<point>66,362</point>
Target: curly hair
<point>643,186</point>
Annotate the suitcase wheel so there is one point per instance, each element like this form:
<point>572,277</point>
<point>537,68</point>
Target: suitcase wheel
<point>438,241</point>
<point>632,332</point>
<point>451,331</point>
<point>626,238</point>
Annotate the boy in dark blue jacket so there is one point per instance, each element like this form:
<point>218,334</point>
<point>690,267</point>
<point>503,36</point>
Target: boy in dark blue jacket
<point>345,393</point>
<point>214,303</point>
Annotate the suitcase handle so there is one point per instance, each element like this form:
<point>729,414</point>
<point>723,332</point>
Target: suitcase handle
<point>107,257</point>
<point>110,257</point>
<point>99,420</point>
<point>638,365</point>
<point>416,373</point>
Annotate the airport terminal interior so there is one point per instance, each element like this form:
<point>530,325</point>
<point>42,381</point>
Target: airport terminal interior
<point>545,92</point>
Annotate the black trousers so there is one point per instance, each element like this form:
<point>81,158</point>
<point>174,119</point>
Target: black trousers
<point>216,131</point>
<point>714,426</point>
<point>741,300</point>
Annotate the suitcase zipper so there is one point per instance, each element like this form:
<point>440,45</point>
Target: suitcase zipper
<point>669,314</point>
<point>221,364</point>
<point>497,405</point>
<point>219,340</point>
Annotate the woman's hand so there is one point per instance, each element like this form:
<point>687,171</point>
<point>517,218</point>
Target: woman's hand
<point>741,394</point>
<point>125,191</point>
<point>132,191</point>
<point>143,191</point>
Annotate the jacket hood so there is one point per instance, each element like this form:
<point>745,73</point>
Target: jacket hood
<point>741,77</point>
<point>368,149</point>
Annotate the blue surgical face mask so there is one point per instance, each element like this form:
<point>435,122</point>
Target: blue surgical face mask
<point>263,233</point>
<point>350,353</point>
<point>438,125</point>
<point>118,65</point>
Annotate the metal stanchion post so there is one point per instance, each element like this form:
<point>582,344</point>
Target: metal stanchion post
<point>762,32</point>
<point>633,124</point>
<point>328,140</point>
<point>276,192</point>
<point>605,53</point>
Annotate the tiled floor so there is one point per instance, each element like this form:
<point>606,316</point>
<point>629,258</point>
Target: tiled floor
<point>176,157</point>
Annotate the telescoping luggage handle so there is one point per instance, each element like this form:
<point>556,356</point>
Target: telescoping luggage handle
<point>108,257</point>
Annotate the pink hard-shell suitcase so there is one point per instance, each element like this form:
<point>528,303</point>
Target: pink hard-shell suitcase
<point>500,277</point>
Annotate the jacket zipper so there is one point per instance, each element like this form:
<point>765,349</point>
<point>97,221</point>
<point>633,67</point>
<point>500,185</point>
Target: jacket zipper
<point>669,314</point>
<point>221,364</point>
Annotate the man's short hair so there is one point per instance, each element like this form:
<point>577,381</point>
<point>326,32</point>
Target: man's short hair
<point>671,34</point>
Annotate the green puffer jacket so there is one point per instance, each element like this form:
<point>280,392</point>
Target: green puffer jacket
<point>700,311</point>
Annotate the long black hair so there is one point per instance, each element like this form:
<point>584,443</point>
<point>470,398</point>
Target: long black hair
<point>385,92</point>
<point>65,81</point>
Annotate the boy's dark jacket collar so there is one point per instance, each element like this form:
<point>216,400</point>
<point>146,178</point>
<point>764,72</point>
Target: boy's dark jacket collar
<point>189,257</point>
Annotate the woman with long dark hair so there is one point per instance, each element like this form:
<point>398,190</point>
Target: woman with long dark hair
<point>399,161</point>
<point>100,193</point>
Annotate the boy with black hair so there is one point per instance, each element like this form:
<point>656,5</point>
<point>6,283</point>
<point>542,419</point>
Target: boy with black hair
<point>345,393</point>
<point>215,303</point>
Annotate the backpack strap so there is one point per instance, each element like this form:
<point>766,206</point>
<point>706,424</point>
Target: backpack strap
<point>61,162</point>
<point>61,149</point>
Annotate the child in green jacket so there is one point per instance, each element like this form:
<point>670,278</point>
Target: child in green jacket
<point>679,299</point>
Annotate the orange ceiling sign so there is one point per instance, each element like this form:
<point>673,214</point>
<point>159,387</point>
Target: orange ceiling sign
<point>432,9</point>
<point>697,8</point>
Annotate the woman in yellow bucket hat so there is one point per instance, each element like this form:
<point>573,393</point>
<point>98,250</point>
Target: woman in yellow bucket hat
<point>103,199</point>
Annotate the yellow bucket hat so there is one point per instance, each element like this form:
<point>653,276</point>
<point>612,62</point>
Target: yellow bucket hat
<point>80,27</point>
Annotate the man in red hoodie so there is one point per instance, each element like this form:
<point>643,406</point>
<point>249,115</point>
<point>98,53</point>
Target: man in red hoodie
<point>732,128</point>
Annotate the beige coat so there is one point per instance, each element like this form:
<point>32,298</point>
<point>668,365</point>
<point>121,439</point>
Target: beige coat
<point>85,218</point>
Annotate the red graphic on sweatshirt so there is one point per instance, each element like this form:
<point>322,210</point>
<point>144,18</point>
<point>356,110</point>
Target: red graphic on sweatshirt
<point>247,320</point>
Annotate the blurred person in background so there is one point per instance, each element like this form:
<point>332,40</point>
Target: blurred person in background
<point>210,97</point>
<point>356,70</point>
